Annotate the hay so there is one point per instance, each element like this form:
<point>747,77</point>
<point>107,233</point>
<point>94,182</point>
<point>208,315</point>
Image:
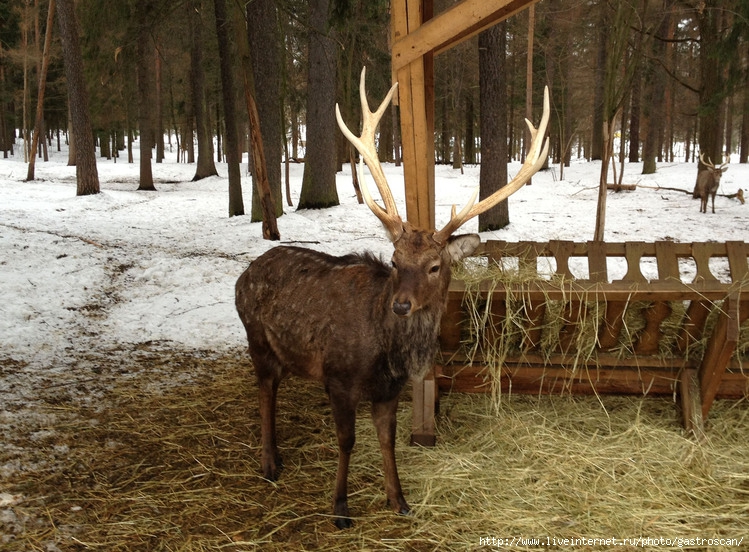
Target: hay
<point>169,460</point>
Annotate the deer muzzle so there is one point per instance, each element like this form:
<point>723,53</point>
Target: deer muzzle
<point>402,308</point>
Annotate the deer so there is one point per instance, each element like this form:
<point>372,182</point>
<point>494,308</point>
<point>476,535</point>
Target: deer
<point>357,324</point>
<point>708,181</point>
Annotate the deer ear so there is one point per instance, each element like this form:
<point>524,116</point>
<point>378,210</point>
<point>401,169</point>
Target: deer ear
<point>459,247</point>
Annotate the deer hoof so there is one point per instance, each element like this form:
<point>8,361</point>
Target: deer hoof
<point>344,522</point>
<point>341,513</point>
<point>272,470</point>
<point>401,508</point>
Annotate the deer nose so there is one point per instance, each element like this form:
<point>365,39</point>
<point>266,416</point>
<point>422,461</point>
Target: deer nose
<point>402,309</point>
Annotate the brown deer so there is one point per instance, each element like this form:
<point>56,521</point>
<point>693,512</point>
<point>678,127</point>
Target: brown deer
<point>708,181</point>
<point>359,325</point>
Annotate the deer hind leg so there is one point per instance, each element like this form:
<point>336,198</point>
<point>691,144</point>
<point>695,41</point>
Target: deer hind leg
<point>271,459</point>
<point>384,419</point>
<point>344,414</point>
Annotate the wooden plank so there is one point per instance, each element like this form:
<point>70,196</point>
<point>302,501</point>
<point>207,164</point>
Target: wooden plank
<point>555,380</point>
<point>693,324</point>
<point>615,291</point>
<point>415,98</point>
<point>415,141</point>
<point>597,265</point>
<point>615,249</point>
<point>452,26</point>
<point>562,250</point>
<point>424,401</point>
<point>572,317</point>
<point>737,254</point>
<point>495,323</point>
<point>691,407</point>
<point>701,252</point>
<point>399,29</point>
<point>668,263</point>
<point>720,347</point>
<point>611,324</point>
<point>649,338</point>
<point>534,313</point>
<point>599,358</point>
<point>451,323</point>
<point>633,252</point>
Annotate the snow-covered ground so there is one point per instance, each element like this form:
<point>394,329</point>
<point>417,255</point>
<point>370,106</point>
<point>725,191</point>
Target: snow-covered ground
<point>85,278</point>
<point>128,267</point>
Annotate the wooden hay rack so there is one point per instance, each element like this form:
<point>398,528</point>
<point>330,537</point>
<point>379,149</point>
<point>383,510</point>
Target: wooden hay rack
<point>628,350</point>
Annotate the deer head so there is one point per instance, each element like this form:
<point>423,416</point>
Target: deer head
<point>424,255</point>
<point>712,168</point>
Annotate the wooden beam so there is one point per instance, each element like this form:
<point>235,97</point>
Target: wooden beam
<point>418,146</point>
<point>424,401</point>
<point>456,24</point>
<point>416,101</point>
<point>691,407</point>
<point>720,346</point>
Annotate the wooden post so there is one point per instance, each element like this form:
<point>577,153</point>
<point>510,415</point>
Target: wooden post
<point>417,36</point>
<point>720,347</point>
<point>416,101</point>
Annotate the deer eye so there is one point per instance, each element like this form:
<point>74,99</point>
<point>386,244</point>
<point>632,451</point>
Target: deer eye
<point>434,269</point>
<point>395,266</point>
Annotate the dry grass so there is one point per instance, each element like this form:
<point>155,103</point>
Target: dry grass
<point>174,465</point>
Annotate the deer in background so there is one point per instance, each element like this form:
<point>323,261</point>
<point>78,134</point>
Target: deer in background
<point>359,325</point>
<point>708,181</point>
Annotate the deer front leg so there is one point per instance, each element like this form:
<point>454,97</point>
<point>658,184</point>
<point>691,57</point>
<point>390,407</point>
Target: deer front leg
<point>271,460</point>
<point>383,416</point>
<point>344,414</point>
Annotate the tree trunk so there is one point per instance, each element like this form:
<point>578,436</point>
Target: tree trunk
<point>42,86</point>
<point>634,118</point>
<point>159,118</point>
<point>529,78</point>
<point>653,100</point>
<point>470,139</point>
<point>262,197</point>
<point>597,146</point>
<point>145,93</point>
<point>257,151</point>
<point>236,204</point>
<point>205,167</point>
<point>493,120</point>
<point>87,176</point>
<point>318,183</point>
<point>265,55</point>
<point>744,140</point>
<point>711,77</point>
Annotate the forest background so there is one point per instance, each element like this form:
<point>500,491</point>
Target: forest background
<point>195,77</point>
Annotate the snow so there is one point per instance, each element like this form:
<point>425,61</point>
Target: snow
<point>124,266</point>
<point>86,277</point>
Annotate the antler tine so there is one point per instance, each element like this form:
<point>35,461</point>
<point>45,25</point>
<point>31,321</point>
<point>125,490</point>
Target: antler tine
<point>535,159</point>
<point>709,162</point>
<point>365,144</point>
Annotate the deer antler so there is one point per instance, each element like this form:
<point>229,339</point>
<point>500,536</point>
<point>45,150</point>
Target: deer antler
<point>365,144</point>
<point>709,162</point>
<point>537,152</point>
